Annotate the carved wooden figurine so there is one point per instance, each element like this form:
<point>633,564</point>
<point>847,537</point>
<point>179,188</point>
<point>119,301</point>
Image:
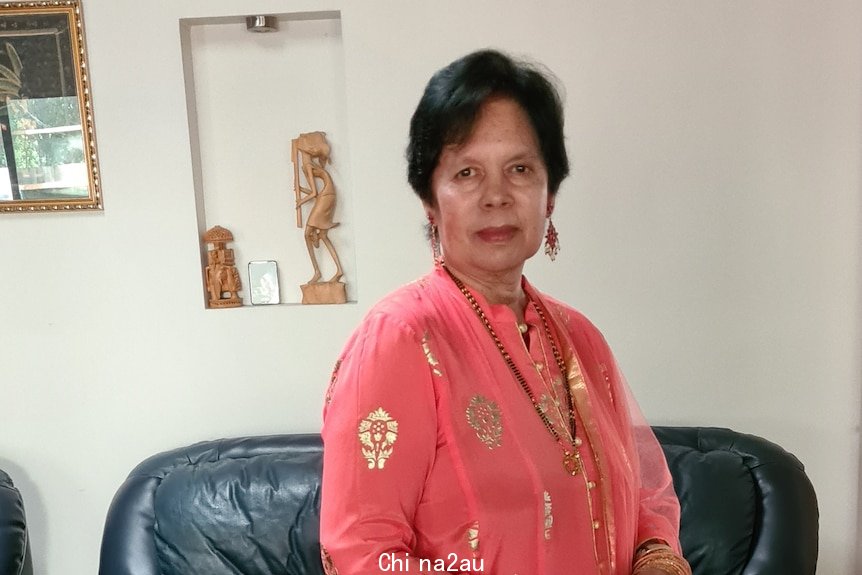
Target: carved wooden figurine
<point>222,277</point>
<point>310,155</point>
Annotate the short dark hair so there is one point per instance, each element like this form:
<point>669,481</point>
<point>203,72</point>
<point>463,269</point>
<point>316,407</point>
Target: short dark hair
<point>452,99</point>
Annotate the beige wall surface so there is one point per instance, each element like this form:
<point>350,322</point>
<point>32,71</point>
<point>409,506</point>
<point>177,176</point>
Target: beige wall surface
<point>711,229</point>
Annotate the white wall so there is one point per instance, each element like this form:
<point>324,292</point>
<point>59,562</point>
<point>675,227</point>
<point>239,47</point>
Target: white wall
<point>711,228</point>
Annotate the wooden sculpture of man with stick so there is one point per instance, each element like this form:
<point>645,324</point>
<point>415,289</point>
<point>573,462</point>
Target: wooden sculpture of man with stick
<point>310,154</point>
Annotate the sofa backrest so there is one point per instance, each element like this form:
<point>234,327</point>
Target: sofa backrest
<point>251,506</point>
<point>247,505</point>
<point>747,506</point>
<point>14,546</point>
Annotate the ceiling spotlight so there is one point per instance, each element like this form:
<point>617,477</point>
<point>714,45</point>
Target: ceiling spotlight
<point>261,23</point>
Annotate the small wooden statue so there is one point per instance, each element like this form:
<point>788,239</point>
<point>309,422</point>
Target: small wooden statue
<point>310,153</point>
<point>222,277</point>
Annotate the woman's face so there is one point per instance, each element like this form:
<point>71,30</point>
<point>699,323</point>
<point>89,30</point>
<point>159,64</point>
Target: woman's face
<point>491,194</point>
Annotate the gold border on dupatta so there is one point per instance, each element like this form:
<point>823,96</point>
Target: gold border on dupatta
<point>584,413</point>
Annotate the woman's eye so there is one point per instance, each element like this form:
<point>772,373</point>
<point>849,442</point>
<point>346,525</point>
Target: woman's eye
<point>465,173</point>
<point>520,169</point>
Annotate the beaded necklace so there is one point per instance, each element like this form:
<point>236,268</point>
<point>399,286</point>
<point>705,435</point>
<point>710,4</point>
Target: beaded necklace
<point>571,458</point>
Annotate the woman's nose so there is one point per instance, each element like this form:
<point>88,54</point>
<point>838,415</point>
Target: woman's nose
<point>496,190</point>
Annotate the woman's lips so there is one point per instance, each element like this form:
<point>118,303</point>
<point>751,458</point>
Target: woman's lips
<point>497,234</point>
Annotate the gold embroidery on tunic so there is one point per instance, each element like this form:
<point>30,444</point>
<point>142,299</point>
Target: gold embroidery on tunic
<point>377,433</point>
<point>607,378</point>
<point>473,537</point>
<point>328,567</point>
<point>483,416</point>
<point>331,388</point>
<point>580,396</point>
<point>549,518</point>
<point>432,361</point>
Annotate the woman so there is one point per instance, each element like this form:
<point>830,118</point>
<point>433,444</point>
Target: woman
<point>473,424</point>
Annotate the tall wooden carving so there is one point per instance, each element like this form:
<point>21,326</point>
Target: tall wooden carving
<point>310,154</point>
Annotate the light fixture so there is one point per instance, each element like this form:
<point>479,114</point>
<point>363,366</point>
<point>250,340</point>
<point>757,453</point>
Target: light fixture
<point>261,23</point>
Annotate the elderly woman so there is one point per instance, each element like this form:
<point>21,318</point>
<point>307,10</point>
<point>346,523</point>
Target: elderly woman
<point>474,424</point>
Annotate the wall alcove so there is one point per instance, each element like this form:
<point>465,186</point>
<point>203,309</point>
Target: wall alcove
<point>248,95</point>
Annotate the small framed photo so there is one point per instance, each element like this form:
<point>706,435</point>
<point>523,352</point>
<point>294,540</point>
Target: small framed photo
<point>263,282</point>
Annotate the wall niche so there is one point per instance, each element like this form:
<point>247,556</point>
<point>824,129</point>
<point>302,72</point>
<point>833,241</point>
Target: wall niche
<point>248,95</point>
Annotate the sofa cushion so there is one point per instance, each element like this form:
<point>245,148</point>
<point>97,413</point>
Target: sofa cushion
<point>747,506</point>
<point>258,513</point>
<point>245,506</point>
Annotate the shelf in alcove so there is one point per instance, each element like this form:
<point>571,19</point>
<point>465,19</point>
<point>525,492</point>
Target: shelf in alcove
<point>248,95</point>
<point>288,304</point>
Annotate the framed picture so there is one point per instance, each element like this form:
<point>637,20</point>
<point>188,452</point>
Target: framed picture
<point>48,160</point>
<point>263,282</point>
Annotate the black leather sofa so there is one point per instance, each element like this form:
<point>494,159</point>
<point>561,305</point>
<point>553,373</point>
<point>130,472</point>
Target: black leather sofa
<point>250,506</point>
<point>14,546</point>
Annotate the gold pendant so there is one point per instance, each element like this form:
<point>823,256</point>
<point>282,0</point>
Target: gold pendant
<point>572,463</point>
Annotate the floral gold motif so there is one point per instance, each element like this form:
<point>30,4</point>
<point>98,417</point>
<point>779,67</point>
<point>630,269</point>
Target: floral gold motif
<point>328,567</point>
<point>332,380</point>
<point>483,416</point>
<point>549,518</point>
<point>377,434</point>
<point>432,361</point>
<point>473,537</point>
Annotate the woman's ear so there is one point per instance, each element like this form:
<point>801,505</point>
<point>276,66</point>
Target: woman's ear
<point>550,208</point>
<point>429,212</point>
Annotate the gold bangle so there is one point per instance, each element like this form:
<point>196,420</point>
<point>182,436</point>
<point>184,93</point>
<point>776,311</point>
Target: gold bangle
<point>669,565</point>
<point>647,548</point>
<point>665,560</point>
<point>652,542</point>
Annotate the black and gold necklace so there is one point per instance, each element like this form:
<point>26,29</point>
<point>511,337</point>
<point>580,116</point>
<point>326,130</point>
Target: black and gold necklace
<point>571,458</point>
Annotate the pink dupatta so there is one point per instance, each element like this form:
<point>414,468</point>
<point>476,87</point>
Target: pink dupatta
<point>622,442</point>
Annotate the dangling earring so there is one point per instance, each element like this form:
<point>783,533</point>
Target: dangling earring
<point>552,240</point>
<point>436,252</point>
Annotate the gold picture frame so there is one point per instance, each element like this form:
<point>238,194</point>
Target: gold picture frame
<point>48,159</point>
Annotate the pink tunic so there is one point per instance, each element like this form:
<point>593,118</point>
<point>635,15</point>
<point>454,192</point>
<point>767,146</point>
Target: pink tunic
<point>436,459</point>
